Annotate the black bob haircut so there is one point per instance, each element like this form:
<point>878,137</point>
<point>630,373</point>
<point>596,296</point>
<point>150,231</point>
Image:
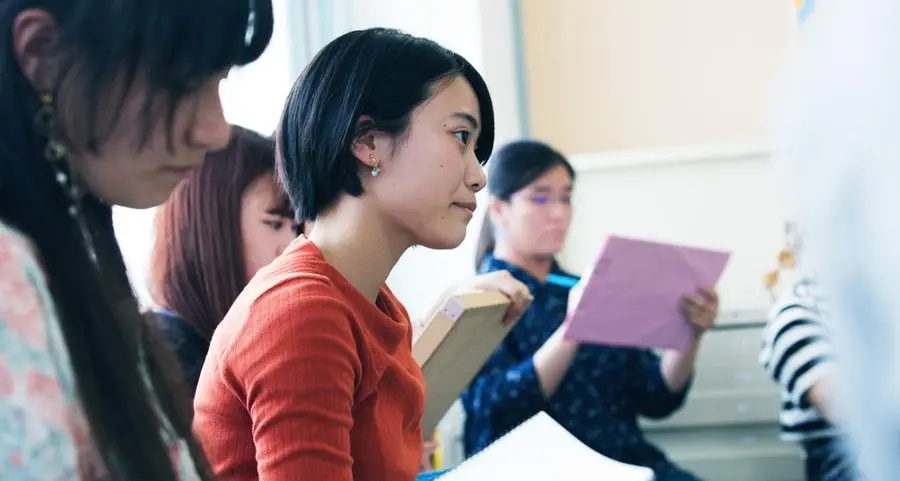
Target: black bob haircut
<point>380,73</point>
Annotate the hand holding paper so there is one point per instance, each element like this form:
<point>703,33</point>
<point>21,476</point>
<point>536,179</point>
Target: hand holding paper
<point>635,295</point>
<point>701,309</point>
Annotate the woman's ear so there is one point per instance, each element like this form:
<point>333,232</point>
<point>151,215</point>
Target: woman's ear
<point>364,147</point>
<point>496,211</point>
<point>35,36</point>
<point>364,150</point>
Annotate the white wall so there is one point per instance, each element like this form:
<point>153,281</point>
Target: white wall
<point>253,96</point>
<point>721,197</point>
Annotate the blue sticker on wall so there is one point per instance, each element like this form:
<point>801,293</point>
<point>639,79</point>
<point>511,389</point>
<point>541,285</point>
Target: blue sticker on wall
<point>804,9</point>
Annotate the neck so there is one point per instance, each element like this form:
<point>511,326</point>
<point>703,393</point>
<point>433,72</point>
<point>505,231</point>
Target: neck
<point>358,244</point>
<point>538,266</point>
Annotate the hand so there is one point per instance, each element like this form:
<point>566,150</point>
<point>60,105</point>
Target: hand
<point>503,282</point>
<point>429,447</point>
<point>701,309</point>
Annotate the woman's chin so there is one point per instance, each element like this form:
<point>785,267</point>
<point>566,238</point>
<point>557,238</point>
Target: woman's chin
<point>444,241</point>
<point>140,199</point>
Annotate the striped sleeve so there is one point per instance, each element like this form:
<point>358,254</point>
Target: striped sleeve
<point>796,351</point>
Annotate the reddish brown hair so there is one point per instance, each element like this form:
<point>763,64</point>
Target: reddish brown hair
<point>197,263</point>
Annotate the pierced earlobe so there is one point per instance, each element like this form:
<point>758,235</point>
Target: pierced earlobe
<point>376,165</point>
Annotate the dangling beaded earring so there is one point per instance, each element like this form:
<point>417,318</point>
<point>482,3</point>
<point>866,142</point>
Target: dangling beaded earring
<point>376,166</point>
<point>55,153</point>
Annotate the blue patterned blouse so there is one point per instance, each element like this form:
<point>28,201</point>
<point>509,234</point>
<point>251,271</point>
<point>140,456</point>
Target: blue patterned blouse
<point>598,401</point>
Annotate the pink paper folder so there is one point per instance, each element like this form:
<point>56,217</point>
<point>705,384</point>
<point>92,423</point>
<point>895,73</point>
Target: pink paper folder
<point>632,297</point>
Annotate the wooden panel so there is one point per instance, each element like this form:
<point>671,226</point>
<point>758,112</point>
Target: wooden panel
<point>728,428</point>
<point>730,386</point>
<point>612,74</point>
<point>453,347</point>
<point>750,453</point>
<point>716,408</point>
<point>730,360</point>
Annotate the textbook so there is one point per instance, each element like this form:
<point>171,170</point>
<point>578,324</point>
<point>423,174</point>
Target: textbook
<point>541,450</point>
<point>454,345</point>
<point>632,296</point>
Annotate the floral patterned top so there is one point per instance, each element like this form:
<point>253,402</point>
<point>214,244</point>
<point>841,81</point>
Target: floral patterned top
<point>43,432</point>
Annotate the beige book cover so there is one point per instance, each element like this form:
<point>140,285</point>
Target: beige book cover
<point>454,345</point>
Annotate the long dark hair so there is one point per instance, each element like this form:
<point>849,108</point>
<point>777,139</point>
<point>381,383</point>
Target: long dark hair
<point>169,46</point>
<point>379,73</point>
<point>512,168</point>
<point>197,264</point>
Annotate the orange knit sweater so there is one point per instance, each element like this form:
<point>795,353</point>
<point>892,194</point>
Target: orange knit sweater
<point>308,380</point>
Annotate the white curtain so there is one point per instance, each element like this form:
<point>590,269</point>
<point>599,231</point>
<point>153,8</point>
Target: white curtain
<point>314,23</point>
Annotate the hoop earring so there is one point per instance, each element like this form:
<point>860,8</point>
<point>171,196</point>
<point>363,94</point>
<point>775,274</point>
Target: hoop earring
<point>376,165</point>
<point>55,153</point>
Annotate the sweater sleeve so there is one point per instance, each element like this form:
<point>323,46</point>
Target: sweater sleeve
<point>648,390</point>
<point>299,372</point>
<point>504,394</point>
<point>39,439</point>
<point>796,352</point>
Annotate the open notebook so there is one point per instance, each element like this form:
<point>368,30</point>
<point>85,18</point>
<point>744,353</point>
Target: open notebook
<point>454,345</point>
<point>541,450</point>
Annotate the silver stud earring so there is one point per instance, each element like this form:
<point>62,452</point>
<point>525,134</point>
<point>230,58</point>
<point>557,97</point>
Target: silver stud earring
<point>376,166</point>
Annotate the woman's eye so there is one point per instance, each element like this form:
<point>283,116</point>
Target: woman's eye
<point>540,199</point>
<point>275,224</point>
<point>463,136</point>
